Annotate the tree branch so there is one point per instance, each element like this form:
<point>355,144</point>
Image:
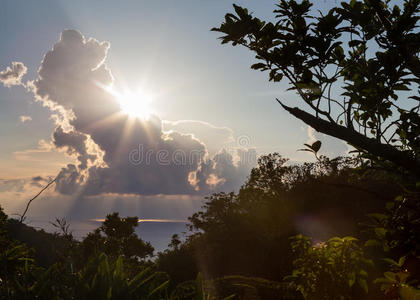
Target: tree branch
<point>351,136</point>
<point>22,217</point>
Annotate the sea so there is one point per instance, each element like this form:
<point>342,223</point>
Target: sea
<point>158,232</point>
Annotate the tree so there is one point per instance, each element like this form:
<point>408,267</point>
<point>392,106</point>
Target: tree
<point>335,269</point>
<point>277,201</point>
<point>177,261</point>
<point>116,237</point>
<point>356,69</point>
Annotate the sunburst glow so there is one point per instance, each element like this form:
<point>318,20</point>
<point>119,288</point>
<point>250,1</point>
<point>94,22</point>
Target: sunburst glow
<point>135,105</point>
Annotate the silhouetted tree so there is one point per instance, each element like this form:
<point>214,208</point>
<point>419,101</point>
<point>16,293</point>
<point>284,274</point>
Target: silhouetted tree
<point>357,68</point>
<point>178,261</point>
<point>116,237</point>
<point>277,201</point>
<point>350,67</point>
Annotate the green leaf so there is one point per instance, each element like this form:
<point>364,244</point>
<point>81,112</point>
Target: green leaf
<point>159,288</point>
<point>401,261</point>
<point>363,284</point>
<point>118,267</point>
<point>352,279</point>
<point>378,217</point>
<point>199,292</point>
<point>308,150</point>
<point>363,273</point>
<point>258,66</point>
<point>316,146</point>
<point>408,292</point>
<point>390,205</point>
<point>372,243</point>
<point>380,231</point>
<point>391,276</point>
<point>401,87</point>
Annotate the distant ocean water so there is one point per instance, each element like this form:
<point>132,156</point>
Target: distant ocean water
<point>156,231</point>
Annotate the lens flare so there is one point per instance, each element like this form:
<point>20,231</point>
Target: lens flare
<point>135,105</point>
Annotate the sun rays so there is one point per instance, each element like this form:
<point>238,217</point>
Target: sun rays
<point>135,104</point>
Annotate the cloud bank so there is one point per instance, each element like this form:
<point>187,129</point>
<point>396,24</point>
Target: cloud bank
<point>119,154</point>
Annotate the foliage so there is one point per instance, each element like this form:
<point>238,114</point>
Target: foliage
<point>330,270</point>
<point>352,66</point>
<point>274,204</point>
<point>396,230</point>
<point>178,262</point>
<point>398,282</point>
<point>116,237</point>
<point>46,246</point>
<point>242,234</point>
<point>250,288</point>
<point>313,148</point>
<point>15,258</point>
<point>356,67</point>
<point>101,279</point>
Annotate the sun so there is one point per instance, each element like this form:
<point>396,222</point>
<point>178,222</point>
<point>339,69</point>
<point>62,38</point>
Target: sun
<point>136,105</point>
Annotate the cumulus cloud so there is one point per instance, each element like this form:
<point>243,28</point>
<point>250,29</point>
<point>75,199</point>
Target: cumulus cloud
<point>71,76</point>
<point>24,119</point>
<point>222,172</point>
<point>215,138</point>
<point>13,75</point>
<point>146,161</point>
<point>116,153</point>
<point>78,144</point>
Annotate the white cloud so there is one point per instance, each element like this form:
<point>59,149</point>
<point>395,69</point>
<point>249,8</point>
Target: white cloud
<point>13,76</point>
<point>24,119</point>
<point>215,138</point>
<point>311,136</point>
<point>117,154</point>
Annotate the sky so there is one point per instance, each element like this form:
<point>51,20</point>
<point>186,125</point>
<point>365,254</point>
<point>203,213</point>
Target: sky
<point>135,106</point>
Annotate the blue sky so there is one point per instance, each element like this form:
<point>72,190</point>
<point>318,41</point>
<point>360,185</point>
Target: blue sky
<point>167,49</point>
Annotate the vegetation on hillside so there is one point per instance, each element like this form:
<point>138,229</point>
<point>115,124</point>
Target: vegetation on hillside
<point>336,228</point>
